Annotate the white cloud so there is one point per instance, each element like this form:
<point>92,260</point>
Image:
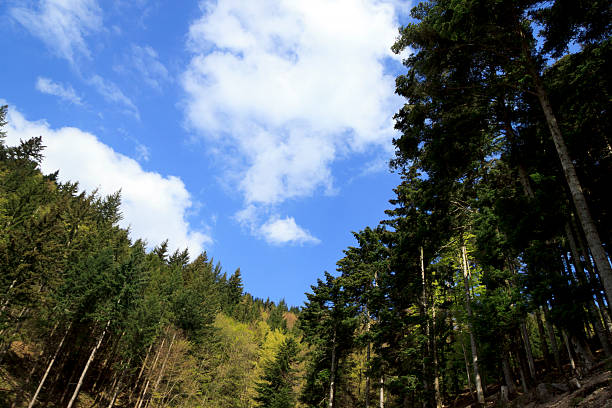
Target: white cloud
<point>154,206</point>
<point>291,87</point>
<point>111,93</point>
<point>144,61</point>
<point>277,231</point>
<point>62,25</point>
<point>66,93</point>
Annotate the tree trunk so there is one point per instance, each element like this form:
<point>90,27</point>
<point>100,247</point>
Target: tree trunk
<point>425,316</point>
<point>162,369</point>
<point>381,395</point>
<point>528,352</point>
<point>151,372</point>
<point>467,370</point>
<point>49,366</point>
<point>508,374</point>
<point>580,203</point>
<point>89,360</point>
<point>569,351</point>
<point>541,332</point>
<point>551,337</point>
<point>477,380</point>
<point>436,365</point>
<point>332,374</point>
<point>142,367</point>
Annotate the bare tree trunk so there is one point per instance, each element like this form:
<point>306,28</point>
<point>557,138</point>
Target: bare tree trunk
<point>436,365</point>
<point>332,375</point>
<point>162,369</point>
<point>151,372</point>
<point>508,374</point>
<point>467,370</point>
<point>49,366</point>
<point>541,332</point>
<point>551,337</point>
<point>580,203</point>
<point>424,313</point>
<point>89,360</point>
<point>142,367</point>
<point>569,351</point>
<point>528,352</point>
<point>477,380</point>
<point>381,395</point>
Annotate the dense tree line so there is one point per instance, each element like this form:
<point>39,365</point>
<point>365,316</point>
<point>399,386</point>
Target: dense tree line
<point>90,317</point>
<point>492,268</point>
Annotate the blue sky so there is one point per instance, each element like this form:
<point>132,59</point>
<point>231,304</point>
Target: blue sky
<point>257,131</point>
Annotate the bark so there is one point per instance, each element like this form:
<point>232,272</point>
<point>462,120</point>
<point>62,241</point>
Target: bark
<point>541,332</point>
<point>49,366</point>
<point>551,337</point>
<point>528,352</point>
<point>75,394</point>
<point>569,351</point>
<point>437,393</point>
<point>477,379</point>
<point>580,203</point>
<point>508,375</point>
<point>148,381</point>
<point>600,330</point>
<point>424,314</point>
<point>381,395</point>
<point>163,367</point>
<point>332,375</point>
<point>142,367</point>
<point>467,370</point>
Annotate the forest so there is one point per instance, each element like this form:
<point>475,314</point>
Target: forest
<point>488,277</point>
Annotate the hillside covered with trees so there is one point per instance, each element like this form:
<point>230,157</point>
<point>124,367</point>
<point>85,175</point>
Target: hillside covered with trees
<point>487,278</point>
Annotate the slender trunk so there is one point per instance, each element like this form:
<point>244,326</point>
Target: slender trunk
<point>332,374</point>
<point>541,332</point>
<point>151,373</point>
<point>553,341</point>
<point>425,316</point>
<point>467,370</point>
<point>118,384</point>
<point>477,380</point>
<point>522,374</point>
<point>528,352</point>
<point>163,367</point>
<point>49,366</point>
<point>89,360</point>
<point>569,351</point>
<point>436,366</point>
<point>584,351</point>
<point>367,379</point>
<point>508,374</point>
<point>582,208</point>
<point>381,395</point>
<point>142,367</point>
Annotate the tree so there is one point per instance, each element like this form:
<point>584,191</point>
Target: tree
<point>276,390</point>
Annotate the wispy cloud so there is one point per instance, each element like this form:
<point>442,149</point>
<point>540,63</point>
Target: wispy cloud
<point>291,87</point>
<point>62,25</point>
<point>155,207</point>
<point>66,93</point>
<point>111,93</point>
<point>143,63</point>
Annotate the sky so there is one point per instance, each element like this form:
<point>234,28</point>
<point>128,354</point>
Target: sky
<point>257,131</point>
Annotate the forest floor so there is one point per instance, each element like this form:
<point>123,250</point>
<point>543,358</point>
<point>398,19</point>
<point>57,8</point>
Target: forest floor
<point>595,391</point>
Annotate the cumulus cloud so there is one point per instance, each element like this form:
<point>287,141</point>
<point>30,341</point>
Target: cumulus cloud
<point>290,87</point>
<point>153,206</point>
<point>62,25</point>
<point>113,94</point>
<point>65,93</point>
<point>278,231</point>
